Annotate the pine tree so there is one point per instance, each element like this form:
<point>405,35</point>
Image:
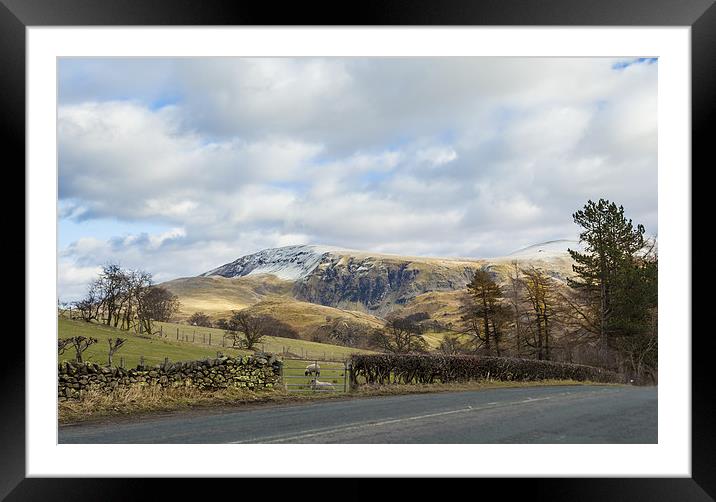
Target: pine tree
<point>611,242</point>
<point>486,295</point>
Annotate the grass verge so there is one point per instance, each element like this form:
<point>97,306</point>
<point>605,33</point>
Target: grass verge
<point>147,400</point>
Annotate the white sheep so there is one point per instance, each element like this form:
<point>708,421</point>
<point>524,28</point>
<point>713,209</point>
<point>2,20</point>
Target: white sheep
<point>318,385</point>
<point>313,369</point>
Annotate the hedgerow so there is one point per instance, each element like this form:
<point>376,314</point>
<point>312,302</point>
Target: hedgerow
<point>433,368</point>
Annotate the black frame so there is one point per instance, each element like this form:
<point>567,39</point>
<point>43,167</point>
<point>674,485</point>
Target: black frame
<point>700,15</point>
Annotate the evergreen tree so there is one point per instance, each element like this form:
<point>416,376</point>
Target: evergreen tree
<point>634,317</point>
<point>603,271</point>
<point>486,307</point>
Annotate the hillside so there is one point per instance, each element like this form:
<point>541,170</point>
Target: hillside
<point>310,286</point>
<point>217,295</point>
<point>191,345</point>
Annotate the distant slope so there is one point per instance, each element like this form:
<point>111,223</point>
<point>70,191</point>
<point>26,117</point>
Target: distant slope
<point>350,279</point>
<point>305,285</point>
<point>216,295</point>
<point>305,316</point>
<point>263,294</point>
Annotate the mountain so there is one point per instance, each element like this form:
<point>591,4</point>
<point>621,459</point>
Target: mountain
<point>308,286</point>
<point>289,263</point>
<point>350,279</point>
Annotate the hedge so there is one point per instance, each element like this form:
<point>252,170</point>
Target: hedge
<point>422,368</point>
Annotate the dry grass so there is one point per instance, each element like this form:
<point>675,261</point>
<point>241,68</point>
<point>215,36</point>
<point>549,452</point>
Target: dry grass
<point>143,400</point>
<point>152,399</point>
<point>218,296</point>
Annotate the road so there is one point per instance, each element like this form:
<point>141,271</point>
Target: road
<point>560,414</point>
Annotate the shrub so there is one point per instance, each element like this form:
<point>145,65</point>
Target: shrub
<point>200,319</point>
<point>423,368</point>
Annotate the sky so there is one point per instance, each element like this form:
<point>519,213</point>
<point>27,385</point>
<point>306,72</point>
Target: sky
<point>177,166</point>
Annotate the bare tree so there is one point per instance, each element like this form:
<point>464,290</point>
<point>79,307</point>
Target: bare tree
<point>246,330</point>
<point>157,304</point>
<point>543,300</point>
<point>400,335</point>
<point>136,288</point>
<point>514,295</point>
<point>80,344</point>
<point>111,286</point>
<point>451,345</point>
<point>63,344</point>
<point>483,312</point>
<point>341,331</point>
<point>89,307</point>
<point>114,345</point>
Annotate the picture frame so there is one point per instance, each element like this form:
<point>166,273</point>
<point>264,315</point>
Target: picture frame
<point>16,15</point>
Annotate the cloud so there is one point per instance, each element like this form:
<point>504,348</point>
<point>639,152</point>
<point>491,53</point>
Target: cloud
<point>220,157</point>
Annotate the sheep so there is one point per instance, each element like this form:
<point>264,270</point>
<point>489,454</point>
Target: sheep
<point>312,369</point>
<point>318,385</point>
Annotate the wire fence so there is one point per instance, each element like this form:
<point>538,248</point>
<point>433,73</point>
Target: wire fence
<point>284,347</point>
<point>207,341</point>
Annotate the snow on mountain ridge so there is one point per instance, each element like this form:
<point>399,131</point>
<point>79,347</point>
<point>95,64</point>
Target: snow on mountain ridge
<point>298,261</point>
<point>288,262</point>
<point>548,248</point>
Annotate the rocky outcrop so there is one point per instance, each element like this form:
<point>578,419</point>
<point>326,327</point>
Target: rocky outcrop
<point>377,284</point>
<point>380,283</point>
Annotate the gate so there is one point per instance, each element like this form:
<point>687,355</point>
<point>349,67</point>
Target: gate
<point>334,376</point>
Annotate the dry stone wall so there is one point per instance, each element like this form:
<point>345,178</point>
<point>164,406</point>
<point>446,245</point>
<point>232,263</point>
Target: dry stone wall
<point>259,371</point>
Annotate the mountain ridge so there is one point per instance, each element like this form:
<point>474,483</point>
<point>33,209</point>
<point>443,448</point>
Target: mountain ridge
<point>376,283</point>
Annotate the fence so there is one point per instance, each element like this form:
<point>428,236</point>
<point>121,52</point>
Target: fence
<point>216,340</point>
<point>287,348</point>
<point>333,376</point>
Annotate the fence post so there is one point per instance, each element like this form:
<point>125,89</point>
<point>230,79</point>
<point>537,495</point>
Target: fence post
<point>166,363</point>
<point>141,361</point>
<point>177,333</point>
<point>285,384</point>
<point>209,338</point>
<point>193,337</point>
<point>345,377</point>
<point>121,362</point>
<point>161,331</point>
<point>203,338</point>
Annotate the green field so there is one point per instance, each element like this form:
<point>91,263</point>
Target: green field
<point>290,346</point>
<point>190,345</point>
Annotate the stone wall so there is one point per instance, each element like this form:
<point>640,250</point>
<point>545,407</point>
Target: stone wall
<point>259,371</point>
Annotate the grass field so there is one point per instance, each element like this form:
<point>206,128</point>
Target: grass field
<point>291,346</point>
<point>192,344</point>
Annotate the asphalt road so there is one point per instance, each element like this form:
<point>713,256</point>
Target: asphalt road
<point>574,414</point>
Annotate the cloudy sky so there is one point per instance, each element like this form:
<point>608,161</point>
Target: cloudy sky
<point>177,166</point>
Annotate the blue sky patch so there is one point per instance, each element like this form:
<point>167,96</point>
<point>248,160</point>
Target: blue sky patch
<point>620,65</point>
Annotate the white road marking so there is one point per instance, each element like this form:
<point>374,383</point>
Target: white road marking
<point>364,425</point>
